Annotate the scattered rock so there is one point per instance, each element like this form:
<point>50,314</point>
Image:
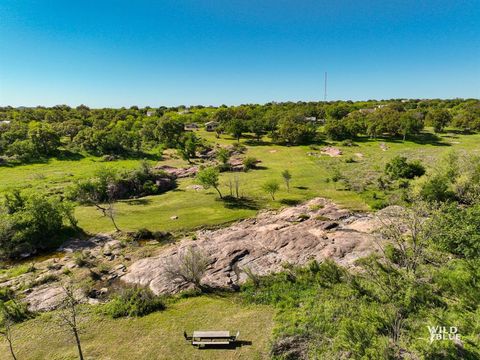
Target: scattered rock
<point>178,173</point>
<point>174,217</point>
<point>92,301</point>
<point>331,151</point>
<point>195,187</point>
<point>383,146</point>
<point>120,267</point>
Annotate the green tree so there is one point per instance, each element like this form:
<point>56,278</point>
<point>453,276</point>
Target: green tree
<point>223,155</point>
<point>438,118</point>
<point>286,178</point>
<point>209,177</point>
<point>271,187</point>
<point>257,126</point>
<point>188,146</point>
<point>169,131</point>
<point>44,138</point>
<point>31,223</point>
<point>411,123</point>
<point>236,127</point>
<point>293,130</point>
<point>400,168</point>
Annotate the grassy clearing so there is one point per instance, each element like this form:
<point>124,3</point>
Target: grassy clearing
<point>202,208</point>
<point>156,336</point>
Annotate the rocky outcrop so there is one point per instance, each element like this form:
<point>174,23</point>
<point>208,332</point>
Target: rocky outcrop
<point>44,298</point>
<point>317,230</point>
<point>178,173</point>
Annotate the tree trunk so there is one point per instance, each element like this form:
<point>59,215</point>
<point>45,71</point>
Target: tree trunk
<point>219,193</point>
<point>79,347</point>
<point>11,349</point>
<point>114,223</point>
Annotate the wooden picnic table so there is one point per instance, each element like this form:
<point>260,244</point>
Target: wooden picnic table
<point>202,338</point>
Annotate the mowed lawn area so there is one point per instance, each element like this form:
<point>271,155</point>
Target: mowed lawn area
<point>310,170</point>
<point>155,336</point>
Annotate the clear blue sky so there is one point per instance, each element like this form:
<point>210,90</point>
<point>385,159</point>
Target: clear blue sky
<point>171,52</point>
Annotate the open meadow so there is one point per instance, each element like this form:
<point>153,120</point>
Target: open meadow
<point>311,174</point>
<point>155,336</point>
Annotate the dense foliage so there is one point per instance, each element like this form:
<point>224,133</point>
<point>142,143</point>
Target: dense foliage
<point>427,276</point>
<point>133,302</point>
<point>31,223</point>
<point>108,184</point>
<point>30,134</point>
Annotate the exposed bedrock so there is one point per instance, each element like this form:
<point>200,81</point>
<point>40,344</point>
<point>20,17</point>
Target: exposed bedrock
<point>317,229</point>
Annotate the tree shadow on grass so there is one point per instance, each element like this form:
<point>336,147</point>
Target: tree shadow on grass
<point>290,202</point>
<point>138,202</point>
<point>458,132</point>
<point>301,187</point>
<point>258,143</point>
<point>259,167</point>
<point>428,139</point>
<point>231,202</point>
<point>423,138</point>
<point>69,155</point>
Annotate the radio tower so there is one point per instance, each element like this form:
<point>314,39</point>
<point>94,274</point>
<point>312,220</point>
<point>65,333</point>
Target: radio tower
<point>325,89</point>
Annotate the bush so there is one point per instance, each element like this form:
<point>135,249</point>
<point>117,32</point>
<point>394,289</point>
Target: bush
<point>16,311</point>
<point>400,168</point>
<point>32,223</point>
<point>249,163</point>
<point>436,188</point>
<point>379,204</point>
<point>82,259</point>
<point>134,302</point>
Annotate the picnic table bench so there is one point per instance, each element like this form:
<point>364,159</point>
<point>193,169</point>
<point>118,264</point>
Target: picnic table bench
<point>202,338</point>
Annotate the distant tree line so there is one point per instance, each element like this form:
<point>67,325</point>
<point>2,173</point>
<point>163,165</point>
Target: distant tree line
<point>30,134</point>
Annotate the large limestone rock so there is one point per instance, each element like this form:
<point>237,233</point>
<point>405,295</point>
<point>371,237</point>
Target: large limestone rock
<point>317,230</point>
<point>44,298</point>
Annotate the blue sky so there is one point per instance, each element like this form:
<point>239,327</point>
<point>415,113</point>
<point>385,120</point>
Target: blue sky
<point>171,52</point>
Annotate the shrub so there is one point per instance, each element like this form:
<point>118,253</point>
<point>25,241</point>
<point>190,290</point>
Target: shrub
<point>16,311</point>
<point>31,223</point>
<point>436,188</point>
<point>249,163</point>
<point>400,168</point>
<point>82,259</point>
<point>271,187</point>
<point>379,204</point>
<point>133,302</point>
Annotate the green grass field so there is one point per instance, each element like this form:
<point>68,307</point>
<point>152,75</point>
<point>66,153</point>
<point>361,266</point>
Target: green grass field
<point>155,336</point>
<point>202,208</point>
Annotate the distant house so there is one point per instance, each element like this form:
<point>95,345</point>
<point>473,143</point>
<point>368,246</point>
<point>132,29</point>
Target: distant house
<point>191,127</point>
<point>313,120</point>
<point>150,113</point>
<point>211,125</point>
